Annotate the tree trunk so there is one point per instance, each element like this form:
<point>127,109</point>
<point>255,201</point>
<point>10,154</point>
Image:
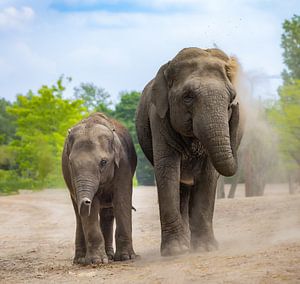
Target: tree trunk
<point>248,174</point>
<point>292,185</point>
<point>234,184</point>
<point>220,188</point>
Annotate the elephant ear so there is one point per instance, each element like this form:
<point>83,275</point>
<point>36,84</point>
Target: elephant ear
<point>159,96</point>
<point>117,148</point>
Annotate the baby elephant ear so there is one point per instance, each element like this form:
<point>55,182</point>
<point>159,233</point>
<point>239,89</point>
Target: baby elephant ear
<point>117,148</point>
<point>159,96</point>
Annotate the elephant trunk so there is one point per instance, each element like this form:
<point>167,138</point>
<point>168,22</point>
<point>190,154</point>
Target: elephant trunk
<point>85,191</point>
<point>219,138</point>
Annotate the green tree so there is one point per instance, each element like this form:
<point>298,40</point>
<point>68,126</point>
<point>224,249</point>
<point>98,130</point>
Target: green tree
<point>290,42</point>
<point>125,112</point>
<point>42,121</point>
<point>7,134</point>
<point>94,98</point>
<point>285,113</point>
<point>7,127</point>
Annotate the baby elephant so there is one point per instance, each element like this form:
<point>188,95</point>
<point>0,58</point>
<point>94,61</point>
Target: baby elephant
<point>98,164</point>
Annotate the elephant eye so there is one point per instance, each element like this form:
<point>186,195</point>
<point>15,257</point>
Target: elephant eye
<point>188,98</point>
<point>103,163</point>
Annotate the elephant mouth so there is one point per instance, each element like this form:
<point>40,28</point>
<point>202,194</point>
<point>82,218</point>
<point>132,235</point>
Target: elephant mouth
<point>188,180</point>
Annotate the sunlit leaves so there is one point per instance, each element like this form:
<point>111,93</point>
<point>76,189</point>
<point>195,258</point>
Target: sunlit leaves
<point>42,121</point>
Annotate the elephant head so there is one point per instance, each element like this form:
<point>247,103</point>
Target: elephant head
<point>196,90</point>
<point>93,152</point>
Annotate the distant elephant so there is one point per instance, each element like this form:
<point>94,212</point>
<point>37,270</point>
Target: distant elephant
<point>98,164</point>
<point>188,127</point>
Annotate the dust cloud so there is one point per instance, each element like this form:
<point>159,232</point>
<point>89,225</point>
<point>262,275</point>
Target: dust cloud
<point>259,155</point>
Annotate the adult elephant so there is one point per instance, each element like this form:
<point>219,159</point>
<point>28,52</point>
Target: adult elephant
<point>188,127</point>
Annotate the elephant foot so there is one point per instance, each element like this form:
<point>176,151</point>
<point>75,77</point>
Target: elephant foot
<point>92,259</point>
<point>123,255</point>
<point>174,246</point>
<point>204,244</point>
<point>79,256</point>
<point>79,260</point>
<point>110,253</point>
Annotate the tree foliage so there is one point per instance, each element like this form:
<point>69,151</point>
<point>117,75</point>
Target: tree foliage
<point>42,121</point>
<point>94,98</point>
<point>125,112</point>
<point>35,125</point>
<point>285,114</point>
<point>7,127</point>
<point>290,42</point>
<point>7,134</point>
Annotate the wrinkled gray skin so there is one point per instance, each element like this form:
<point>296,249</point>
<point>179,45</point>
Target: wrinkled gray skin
<point>188,128</point>
<point>98,164</point>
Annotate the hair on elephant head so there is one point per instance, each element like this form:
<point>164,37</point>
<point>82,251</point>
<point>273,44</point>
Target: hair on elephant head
<point>196,90</point>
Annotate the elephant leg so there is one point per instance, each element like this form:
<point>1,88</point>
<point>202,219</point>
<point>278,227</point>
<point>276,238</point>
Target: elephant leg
<point>185,191</point>
<point>80,248</point>
<point>95,247</point>
<point>106,224</point>
<point>201,209</point>
<point>174,239</point>
<point>122,203</point>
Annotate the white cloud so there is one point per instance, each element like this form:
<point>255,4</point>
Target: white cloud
<point>13,18</point>
<point>124,50</point>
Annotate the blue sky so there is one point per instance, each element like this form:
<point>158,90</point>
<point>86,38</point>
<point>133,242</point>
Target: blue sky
<point>119,45</point>
<point>109,6</point>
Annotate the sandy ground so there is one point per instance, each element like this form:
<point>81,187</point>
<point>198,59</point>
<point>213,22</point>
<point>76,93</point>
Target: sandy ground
<point>259,242</point>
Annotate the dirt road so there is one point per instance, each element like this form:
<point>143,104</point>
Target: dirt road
<point>259,242</point>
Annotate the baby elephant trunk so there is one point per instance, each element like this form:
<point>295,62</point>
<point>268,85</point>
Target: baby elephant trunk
<point>85,207</point>
<point>85,191</point>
